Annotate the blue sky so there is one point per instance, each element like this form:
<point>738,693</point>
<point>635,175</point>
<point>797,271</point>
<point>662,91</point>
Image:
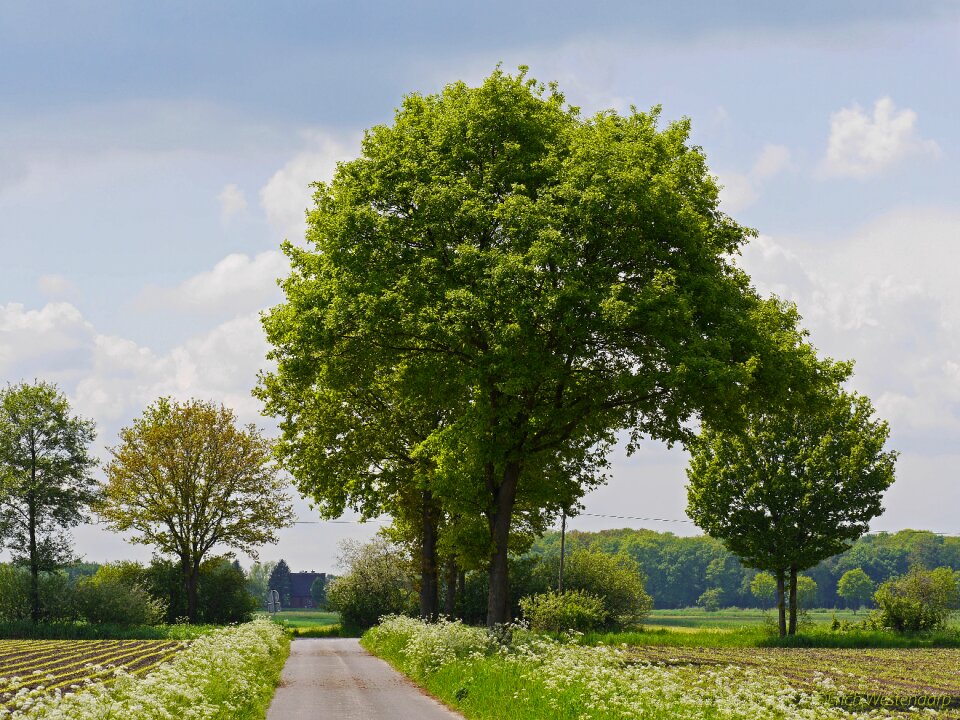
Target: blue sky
<point>153,156</point>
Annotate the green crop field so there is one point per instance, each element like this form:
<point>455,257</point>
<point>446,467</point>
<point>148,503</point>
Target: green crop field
<point>69,664</point>
<point>310,623</point>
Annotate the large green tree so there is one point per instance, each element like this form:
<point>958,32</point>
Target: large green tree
<point>547,279</point>
<point>186,479</point>
<point>795,486</point>
<point>45,478</point>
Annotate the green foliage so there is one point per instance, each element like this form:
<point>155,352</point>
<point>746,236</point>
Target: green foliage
<point>615,579</point>
<point>46,484</point>
<point>795,486</point>
<point>258,579</point>
<point>559,612</point>
<point>318,591</point>
<point>222,595</point>
<point>280,581</point>
<point>855,587</point>
<point>917,601</point>
<point>516,283</point>
<point>710,599</point>
<point>114,595</point>
<point>185,478</point>
<point>376,583</point>
<point>764,588</point>
<point>806,592</point>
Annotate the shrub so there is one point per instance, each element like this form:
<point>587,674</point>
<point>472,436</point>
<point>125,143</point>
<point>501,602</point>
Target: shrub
<point>222,595</point>
<point>616,579</point>
<point>56,595</point>
<point>377,583</point>
<point>559,612</point>
<point>115,594</point>
<point>920,600</point>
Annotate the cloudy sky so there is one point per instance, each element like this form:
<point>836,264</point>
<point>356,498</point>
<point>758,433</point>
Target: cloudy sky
<point>153,156</point>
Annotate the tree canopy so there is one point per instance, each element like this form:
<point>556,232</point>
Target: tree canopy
<point>45,477</point>
<point>795,486</point>
<point>185,478</point>
<point>532,280</point>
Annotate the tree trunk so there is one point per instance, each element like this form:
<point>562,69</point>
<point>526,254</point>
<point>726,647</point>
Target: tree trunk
<point>191,572</point>
<point>504,495</point>
<point>781,605</point>
<point>450,594</point>
<point>793,600</point>
<point>34,561</point>
<point>563,539</point>
<point>461,589</point>
<point>429,585</point>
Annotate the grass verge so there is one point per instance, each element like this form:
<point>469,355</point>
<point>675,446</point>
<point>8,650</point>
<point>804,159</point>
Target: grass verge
<point>536,678</point>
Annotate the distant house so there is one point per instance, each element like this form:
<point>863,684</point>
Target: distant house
<point>300,584</point>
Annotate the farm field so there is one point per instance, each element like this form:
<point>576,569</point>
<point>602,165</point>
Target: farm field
<point>68,664</point>
<point>736,618</point>
<point>899,673</point>
<point>312,623</point>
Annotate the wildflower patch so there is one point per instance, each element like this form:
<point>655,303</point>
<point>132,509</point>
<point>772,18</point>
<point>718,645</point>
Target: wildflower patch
<point>534,677</point>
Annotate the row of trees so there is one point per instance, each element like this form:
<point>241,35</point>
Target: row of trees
<point>184,479</point>
<point>680,569</point>
<point>497,289</point>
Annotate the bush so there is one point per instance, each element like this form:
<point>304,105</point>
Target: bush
<point>920,600</point>
<point>559,612</point>
<point>377,583</point>
<point>56,595</point>
<point>222,595</point>
<point>615,579</point>
<point>115,594</point>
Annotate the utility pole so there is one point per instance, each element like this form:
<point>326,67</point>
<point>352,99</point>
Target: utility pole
<point>563,538</point>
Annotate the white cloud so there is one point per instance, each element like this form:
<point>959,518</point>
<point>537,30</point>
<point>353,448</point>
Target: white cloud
<point>287,195</point>
<point>237,284</point>
<point>737,192</point>
<point>886,297</point>
<point>232,202</point>
<point>861,145</point>
<point>50,342</point>
<point>740,191</point>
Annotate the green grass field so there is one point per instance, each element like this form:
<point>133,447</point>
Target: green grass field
<point>313,623</point>
<point>734,618</point>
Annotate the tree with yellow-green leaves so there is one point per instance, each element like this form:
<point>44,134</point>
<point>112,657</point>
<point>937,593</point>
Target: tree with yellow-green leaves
<point>186,478</point>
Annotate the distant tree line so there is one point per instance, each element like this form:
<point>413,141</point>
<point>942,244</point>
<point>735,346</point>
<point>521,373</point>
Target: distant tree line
<point>679,570</point>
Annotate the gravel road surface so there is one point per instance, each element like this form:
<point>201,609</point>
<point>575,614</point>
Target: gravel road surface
<point>336,678</point>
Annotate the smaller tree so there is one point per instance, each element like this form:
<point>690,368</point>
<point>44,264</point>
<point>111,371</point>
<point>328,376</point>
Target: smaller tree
<point>258,579</point>
<point>377,583</point>
<point>280,581</point>
<point>318,591</point>
<point>46,484</point>
<point>186,479</point>
<point>806,592</point>
<point>764,588</point>
<point>710,599</point>
<point>796,485</point>
<point>855,587</point>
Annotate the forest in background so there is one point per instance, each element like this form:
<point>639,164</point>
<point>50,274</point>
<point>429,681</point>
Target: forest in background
<point>680,569</point>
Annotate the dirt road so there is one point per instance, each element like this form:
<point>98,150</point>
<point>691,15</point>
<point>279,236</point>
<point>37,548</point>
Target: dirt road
<point>336,678</point>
